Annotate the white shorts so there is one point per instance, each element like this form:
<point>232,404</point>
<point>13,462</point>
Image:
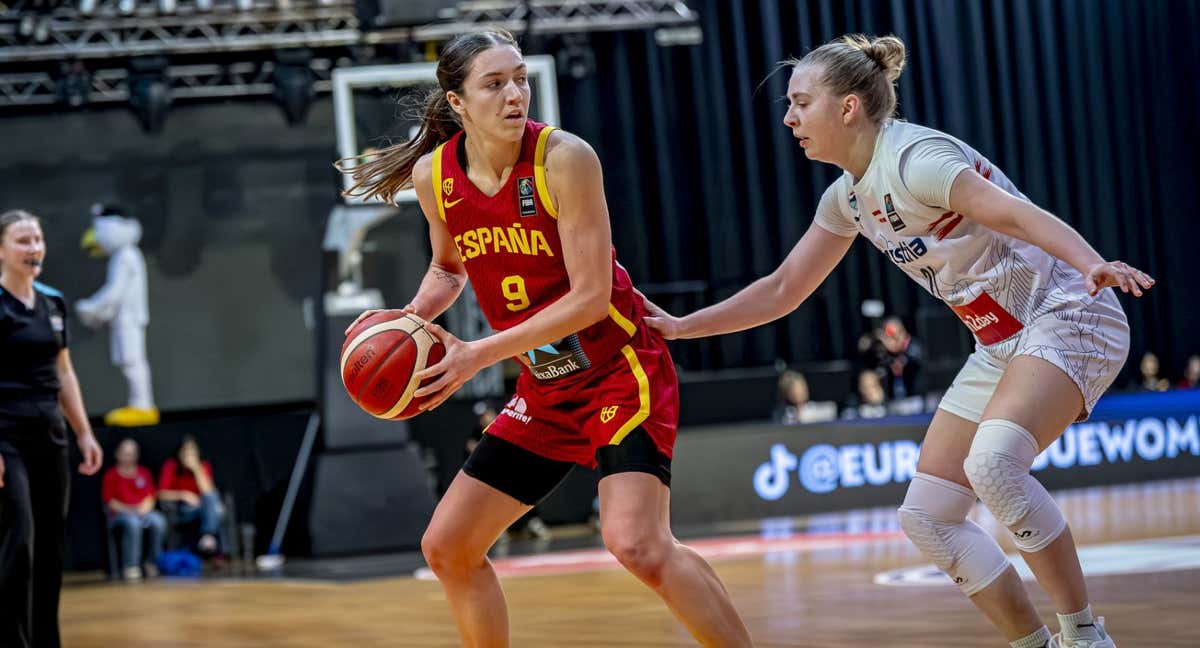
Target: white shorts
<point>1088,339</point>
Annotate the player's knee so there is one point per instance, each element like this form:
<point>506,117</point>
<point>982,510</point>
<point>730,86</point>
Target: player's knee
<point>434,549</point>
<point>643,552</point>
<point>446,555</point>
<point>997,480</point>
<point>934,517</point>
<point>919,527</point>
<point>998,467</point>
<point>922,532</point>
<point>931,507</point>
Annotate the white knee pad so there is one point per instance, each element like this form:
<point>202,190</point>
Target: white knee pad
<point>934,516</point>
<point>998,468</point>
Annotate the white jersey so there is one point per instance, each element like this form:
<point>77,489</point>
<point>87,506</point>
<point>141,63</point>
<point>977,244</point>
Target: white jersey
<point>1015,297</point>
<point>995,283</point>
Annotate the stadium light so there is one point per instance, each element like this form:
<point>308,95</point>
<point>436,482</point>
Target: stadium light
<point>74,84</point>
<point>576,57</point>
<point>293,79</point>
<point>149,91</point>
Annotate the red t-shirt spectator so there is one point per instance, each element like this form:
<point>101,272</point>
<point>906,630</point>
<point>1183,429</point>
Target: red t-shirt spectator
<point>176,478</point>
<point>127,490</point>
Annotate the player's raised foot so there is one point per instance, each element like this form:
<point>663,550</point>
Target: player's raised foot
<point>1058,641</point>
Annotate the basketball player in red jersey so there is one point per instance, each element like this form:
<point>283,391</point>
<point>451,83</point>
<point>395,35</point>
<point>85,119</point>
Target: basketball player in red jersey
<point>518,207</point>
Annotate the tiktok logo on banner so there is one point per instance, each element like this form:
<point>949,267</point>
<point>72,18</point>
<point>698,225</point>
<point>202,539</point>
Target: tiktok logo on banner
<point>771,479</point>
<point>824,468</point>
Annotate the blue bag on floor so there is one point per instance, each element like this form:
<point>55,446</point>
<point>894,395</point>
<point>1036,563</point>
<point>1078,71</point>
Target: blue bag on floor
<point>179,563</point>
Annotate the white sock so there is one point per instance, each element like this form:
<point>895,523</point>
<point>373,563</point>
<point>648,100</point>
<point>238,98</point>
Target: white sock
<point>1079,625</point>
<point>1038,639</point>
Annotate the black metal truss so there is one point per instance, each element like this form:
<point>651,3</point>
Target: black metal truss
<point>273,24</point>
<point>242,79</point>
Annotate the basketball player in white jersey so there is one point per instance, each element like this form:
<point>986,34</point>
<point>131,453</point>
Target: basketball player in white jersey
<point>1050,336</point>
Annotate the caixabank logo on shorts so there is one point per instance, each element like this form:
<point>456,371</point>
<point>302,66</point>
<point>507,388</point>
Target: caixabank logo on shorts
<point>563,358</point>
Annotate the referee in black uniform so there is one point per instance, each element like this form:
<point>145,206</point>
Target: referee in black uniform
<point>37,388</point>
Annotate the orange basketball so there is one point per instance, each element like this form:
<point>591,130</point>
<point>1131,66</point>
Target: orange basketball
<point>380,359</point>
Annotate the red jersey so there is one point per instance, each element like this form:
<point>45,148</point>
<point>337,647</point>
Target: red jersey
<point>127,490</point>
<point>510,246</point>
<point>175,477</point>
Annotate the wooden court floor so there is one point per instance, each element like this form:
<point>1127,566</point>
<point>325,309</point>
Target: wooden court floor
<point>809,596</point>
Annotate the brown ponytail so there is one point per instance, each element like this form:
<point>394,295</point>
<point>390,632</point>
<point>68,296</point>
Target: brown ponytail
<point>387,172</point>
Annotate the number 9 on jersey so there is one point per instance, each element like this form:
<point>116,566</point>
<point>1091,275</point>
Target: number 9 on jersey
<point>513,287</point>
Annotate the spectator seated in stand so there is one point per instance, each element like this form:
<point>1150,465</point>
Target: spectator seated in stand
<point>128,496</point>
<point>1191,374</point>
<point>796,407</point>
<point>901,360</point>
<point>871,400</point>
<point>188,493</point>
<point>1151,381</point>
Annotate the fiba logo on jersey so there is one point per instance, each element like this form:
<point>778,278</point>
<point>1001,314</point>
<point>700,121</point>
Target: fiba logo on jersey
<point>516,409</point>
<point>525,197</point>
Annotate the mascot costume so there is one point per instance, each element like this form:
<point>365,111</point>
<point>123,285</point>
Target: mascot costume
<point>121,303</point>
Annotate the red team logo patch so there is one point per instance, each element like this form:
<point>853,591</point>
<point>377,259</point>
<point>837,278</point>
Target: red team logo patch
<point>988,320</point>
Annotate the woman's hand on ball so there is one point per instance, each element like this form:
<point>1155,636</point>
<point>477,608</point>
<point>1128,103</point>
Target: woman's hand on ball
<point>397,312</point>
<point>459,365</point>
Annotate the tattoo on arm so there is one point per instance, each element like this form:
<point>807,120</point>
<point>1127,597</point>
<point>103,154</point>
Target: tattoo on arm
<point>447,277</point>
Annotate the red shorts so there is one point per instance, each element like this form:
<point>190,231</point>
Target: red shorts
<point>636,388</point>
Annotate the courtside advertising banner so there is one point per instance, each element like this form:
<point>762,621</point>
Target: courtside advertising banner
<point>738,472</point>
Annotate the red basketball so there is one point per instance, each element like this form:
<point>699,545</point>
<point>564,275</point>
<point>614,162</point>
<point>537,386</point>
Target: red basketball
<point>380,359</point>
